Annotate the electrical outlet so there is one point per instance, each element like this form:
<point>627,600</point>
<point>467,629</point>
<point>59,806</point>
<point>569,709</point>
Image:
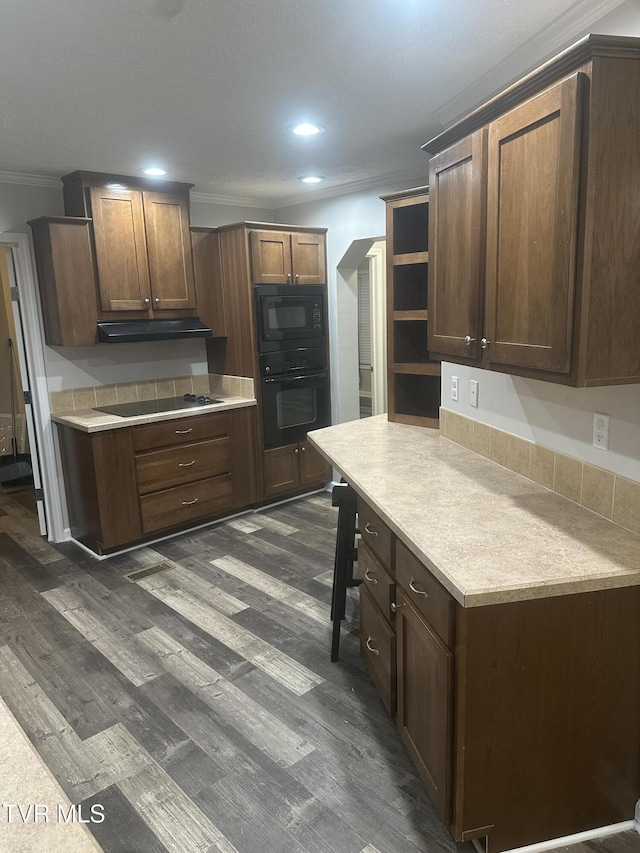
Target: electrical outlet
<point>601,431</point>
<point>454,388</point>
<point>473,393</point>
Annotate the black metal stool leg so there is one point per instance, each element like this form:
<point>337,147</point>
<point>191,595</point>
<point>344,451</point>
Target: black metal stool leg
<point>346,500</point>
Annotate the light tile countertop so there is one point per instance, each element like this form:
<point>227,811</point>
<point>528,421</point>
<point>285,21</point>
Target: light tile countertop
<point>487,534</point>
<point>91,420</point>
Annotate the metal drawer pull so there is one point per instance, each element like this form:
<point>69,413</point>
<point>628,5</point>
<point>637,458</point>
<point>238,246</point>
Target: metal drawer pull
<point>186,464</point>
<point>370,647</point>
<point>417,591</point>
<point>190,503</point>
<point>369,578</point>
<point>368,529</point>
<point>184,431</point>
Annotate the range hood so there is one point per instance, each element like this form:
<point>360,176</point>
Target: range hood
<point>125,331</point>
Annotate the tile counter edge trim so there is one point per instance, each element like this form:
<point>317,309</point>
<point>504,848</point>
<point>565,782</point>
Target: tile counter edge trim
<point>609,495</point>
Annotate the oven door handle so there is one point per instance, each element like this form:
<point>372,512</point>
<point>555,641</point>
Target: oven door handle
<point>282,379</point>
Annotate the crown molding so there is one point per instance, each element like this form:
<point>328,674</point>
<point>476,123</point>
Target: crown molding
<point>231,201</point>
<point>30,180</point>
<point>560,33</point>
<point>378,183</point>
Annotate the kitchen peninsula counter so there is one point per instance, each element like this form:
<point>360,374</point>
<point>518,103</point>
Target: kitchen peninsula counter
<point>92,420</point>
<point>487,534</point>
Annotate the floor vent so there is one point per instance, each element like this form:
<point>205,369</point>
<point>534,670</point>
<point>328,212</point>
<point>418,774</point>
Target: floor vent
<point>139,574</point>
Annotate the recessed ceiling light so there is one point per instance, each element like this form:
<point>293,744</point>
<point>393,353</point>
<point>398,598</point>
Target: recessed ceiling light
<point>155,172</point>
<point>312,179</point>
<point>306,129</point>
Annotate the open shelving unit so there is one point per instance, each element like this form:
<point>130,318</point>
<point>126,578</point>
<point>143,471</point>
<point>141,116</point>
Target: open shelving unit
<point>413,377</point>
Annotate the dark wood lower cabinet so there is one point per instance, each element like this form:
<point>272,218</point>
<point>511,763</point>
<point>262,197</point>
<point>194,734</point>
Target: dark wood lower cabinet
<point>128,483</point>
<point>425,701</point>
<point>293,468</point>
<point>522,718</point>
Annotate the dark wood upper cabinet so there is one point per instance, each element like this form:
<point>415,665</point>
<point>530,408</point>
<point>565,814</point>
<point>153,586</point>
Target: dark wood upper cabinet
<point>532,211</point>
<point>542,274</point>
<point>121,249</point>
<point>143,249</point>
<point>457,182</point>
<point>282,257</point>
<point>169,247</point>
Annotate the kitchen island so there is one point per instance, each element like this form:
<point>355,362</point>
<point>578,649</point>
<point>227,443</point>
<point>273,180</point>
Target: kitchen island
<point>511,638</point>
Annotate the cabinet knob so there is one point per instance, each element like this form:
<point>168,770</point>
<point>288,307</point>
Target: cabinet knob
<point>468,340</point>
<point>394,606</point>
<point>303,448</point>
<point>296,450</point>
<point>157,299</point>
<point>288,278</point>
<point>370,647</point>
<point>484,343</point>
<point>146,300</point>
<point>297,278</point>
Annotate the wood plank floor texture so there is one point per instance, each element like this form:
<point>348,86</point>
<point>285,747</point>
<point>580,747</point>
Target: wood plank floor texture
<point>199,705</point>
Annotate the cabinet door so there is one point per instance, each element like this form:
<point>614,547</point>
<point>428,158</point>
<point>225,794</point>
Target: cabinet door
<point>121,249</point>
<point>425,701</point>
<point>378,650</point>
<point>308,259</point>
<point>314,469</point>
<point>532,210</point>
<point>457,187</point>
<point>169,245</point>
<point>270,257</point>
<point>281,470</point>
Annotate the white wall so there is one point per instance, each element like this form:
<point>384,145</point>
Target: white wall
<point>349,218</point>
<point>553,415</point>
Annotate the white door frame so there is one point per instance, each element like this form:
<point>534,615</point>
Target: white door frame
<point>20,248</point>
<point>377,255</point>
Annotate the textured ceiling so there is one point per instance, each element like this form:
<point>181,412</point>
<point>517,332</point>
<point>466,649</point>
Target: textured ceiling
<point>209,87</point>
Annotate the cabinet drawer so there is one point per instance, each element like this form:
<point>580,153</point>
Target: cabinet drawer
<point>375,533</point>
<point>160,469</point>
<point>189,429</point>
<point>173,507</point>
<point>378,650</point>
<point>424,591</point>
<point>376,580</point>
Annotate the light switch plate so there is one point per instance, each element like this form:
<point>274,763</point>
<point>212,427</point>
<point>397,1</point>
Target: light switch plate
<point>473,393</point>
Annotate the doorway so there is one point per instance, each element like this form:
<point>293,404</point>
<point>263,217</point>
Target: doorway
<point>19,457</point>
<point>372,334</point>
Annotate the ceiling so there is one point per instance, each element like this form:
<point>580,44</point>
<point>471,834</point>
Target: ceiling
<point>209,87</point>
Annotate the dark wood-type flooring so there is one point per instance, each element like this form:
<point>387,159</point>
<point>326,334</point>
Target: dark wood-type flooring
<point>198,705</point>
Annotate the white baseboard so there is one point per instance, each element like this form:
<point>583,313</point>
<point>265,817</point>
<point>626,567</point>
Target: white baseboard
<point>588,835</point>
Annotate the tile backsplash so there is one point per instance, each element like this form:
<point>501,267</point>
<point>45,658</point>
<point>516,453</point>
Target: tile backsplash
<point>607,494</point>
<point>76,399</point>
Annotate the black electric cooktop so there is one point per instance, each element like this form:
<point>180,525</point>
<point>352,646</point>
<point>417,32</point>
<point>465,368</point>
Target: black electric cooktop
<point>151,407</point>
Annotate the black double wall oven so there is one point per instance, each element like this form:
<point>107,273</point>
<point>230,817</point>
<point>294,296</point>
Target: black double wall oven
<point>292,342</point>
